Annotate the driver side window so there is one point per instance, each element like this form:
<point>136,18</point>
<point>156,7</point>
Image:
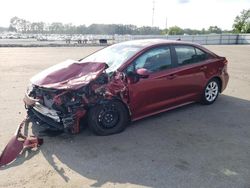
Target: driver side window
<point>154,60</point>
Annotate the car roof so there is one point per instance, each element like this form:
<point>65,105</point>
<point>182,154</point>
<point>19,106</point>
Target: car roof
<point>143,43</point>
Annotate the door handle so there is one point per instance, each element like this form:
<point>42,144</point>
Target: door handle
<point>171,76</point>
<point>203,68</point>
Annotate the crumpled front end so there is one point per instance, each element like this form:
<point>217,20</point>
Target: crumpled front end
<point>60,97</point>
<point>55,109</point>
<point>62,109</point>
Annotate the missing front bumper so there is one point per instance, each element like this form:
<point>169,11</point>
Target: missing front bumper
<point>34,104</point>
<point>50,118</point>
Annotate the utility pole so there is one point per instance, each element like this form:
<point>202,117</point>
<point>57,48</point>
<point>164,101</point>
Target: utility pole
<point>153,13</point>
<point>166,26</point>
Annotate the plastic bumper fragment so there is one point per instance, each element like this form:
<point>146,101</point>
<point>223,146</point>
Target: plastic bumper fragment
<point>17,143</point>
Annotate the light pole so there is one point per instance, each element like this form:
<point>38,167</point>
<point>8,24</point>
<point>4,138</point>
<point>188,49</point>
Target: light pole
<point>153,12</point>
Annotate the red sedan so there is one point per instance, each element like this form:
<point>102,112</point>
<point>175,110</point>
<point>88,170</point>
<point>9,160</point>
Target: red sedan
<point>125,82</point>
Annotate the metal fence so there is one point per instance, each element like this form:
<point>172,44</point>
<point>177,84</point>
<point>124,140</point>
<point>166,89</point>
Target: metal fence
<point>201,39</point>
<point>17,39</point>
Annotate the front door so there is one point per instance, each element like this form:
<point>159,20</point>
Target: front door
<point>148,95</point>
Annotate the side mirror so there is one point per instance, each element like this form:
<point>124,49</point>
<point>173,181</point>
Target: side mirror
<point>142,72</point>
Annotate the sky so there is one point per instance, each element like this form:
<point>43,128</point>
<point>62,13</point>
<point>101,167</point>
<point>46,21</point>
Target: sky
<point>194,14</point>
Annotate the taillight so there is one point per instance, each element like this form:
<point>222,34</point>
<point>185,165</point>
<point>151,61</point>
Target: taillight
<point>225,65</point>
<point>223,59</point>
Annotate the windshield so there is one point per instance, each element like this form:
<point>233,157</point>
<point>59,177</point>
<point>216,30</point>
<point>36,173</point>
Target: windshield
<point>114,55</point>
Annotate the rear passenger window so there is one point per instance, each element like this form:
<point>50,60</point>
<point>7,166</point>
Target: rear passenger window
<point>185,54</point>
<point>201,56</point>
<point>189,54</point>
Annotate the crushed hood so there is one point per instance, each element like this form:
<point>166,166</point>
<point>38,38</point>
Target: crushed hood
<point>69,74</point>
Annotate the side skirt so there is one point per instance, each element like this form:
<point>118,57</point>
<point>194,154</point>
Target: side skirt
<point>163,110</point>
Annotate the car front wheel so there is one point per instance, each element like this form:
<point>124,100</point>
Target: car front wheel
<point>108,118</point>
<point>211,92</point>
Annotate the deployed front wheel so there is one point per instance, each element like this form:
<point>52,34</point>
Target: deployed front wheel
<point>108,118</point>
<point>211,91</point>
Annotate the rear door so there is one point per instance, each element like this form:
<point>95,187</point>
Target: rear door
<point>191,66</point>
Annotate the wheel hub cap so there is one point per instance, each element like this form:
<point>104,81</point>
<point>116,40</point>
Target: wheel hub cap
<point>211,91</point>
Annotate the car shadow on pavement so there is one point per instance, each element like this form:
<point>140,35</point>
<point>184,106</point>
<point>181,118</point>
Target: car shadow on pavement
<point>189,146</point>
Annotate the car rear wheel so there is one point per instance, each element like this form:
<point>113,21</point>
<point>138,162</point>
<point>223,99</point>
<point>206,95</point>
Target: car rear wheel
<point>211,92</point>
<point>108,118</point>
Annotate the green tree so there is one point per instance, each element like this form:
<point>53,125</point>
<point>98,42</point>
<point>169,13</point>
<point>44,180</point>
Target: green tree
<point>214,29</point>
<point>14,24</point>
<point>12,29</point>
<point>191,31</point>
<point>37,27</point>
<point>203,31</point>
<point>164,31</point>
<point>242,22</point>
<point>56,27</point>
<point>19,25</point>
<point>175,30</point>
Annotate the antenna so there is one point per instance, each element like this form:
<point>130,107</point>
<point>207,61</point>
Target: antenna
<point>153,13</point>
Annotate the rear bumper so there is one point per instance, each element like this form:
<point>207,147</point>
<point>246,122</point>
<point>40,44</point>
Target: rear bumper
<point>225,79</point>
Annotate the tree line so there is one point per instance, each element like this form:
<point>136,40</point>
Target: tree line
<point>241,25</point>
<point>23,26</point>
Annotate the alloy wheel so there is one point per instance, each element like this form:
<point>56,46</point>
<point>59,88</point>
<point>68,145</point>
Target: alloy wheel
<point>211,91</point>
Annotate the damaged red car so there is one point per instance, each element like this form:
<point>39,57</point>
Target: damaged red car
<point>124,82</point>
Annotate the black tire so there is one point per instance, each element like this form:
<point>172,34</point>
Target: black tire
<point>211,91</point>
<point>109,118</point>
